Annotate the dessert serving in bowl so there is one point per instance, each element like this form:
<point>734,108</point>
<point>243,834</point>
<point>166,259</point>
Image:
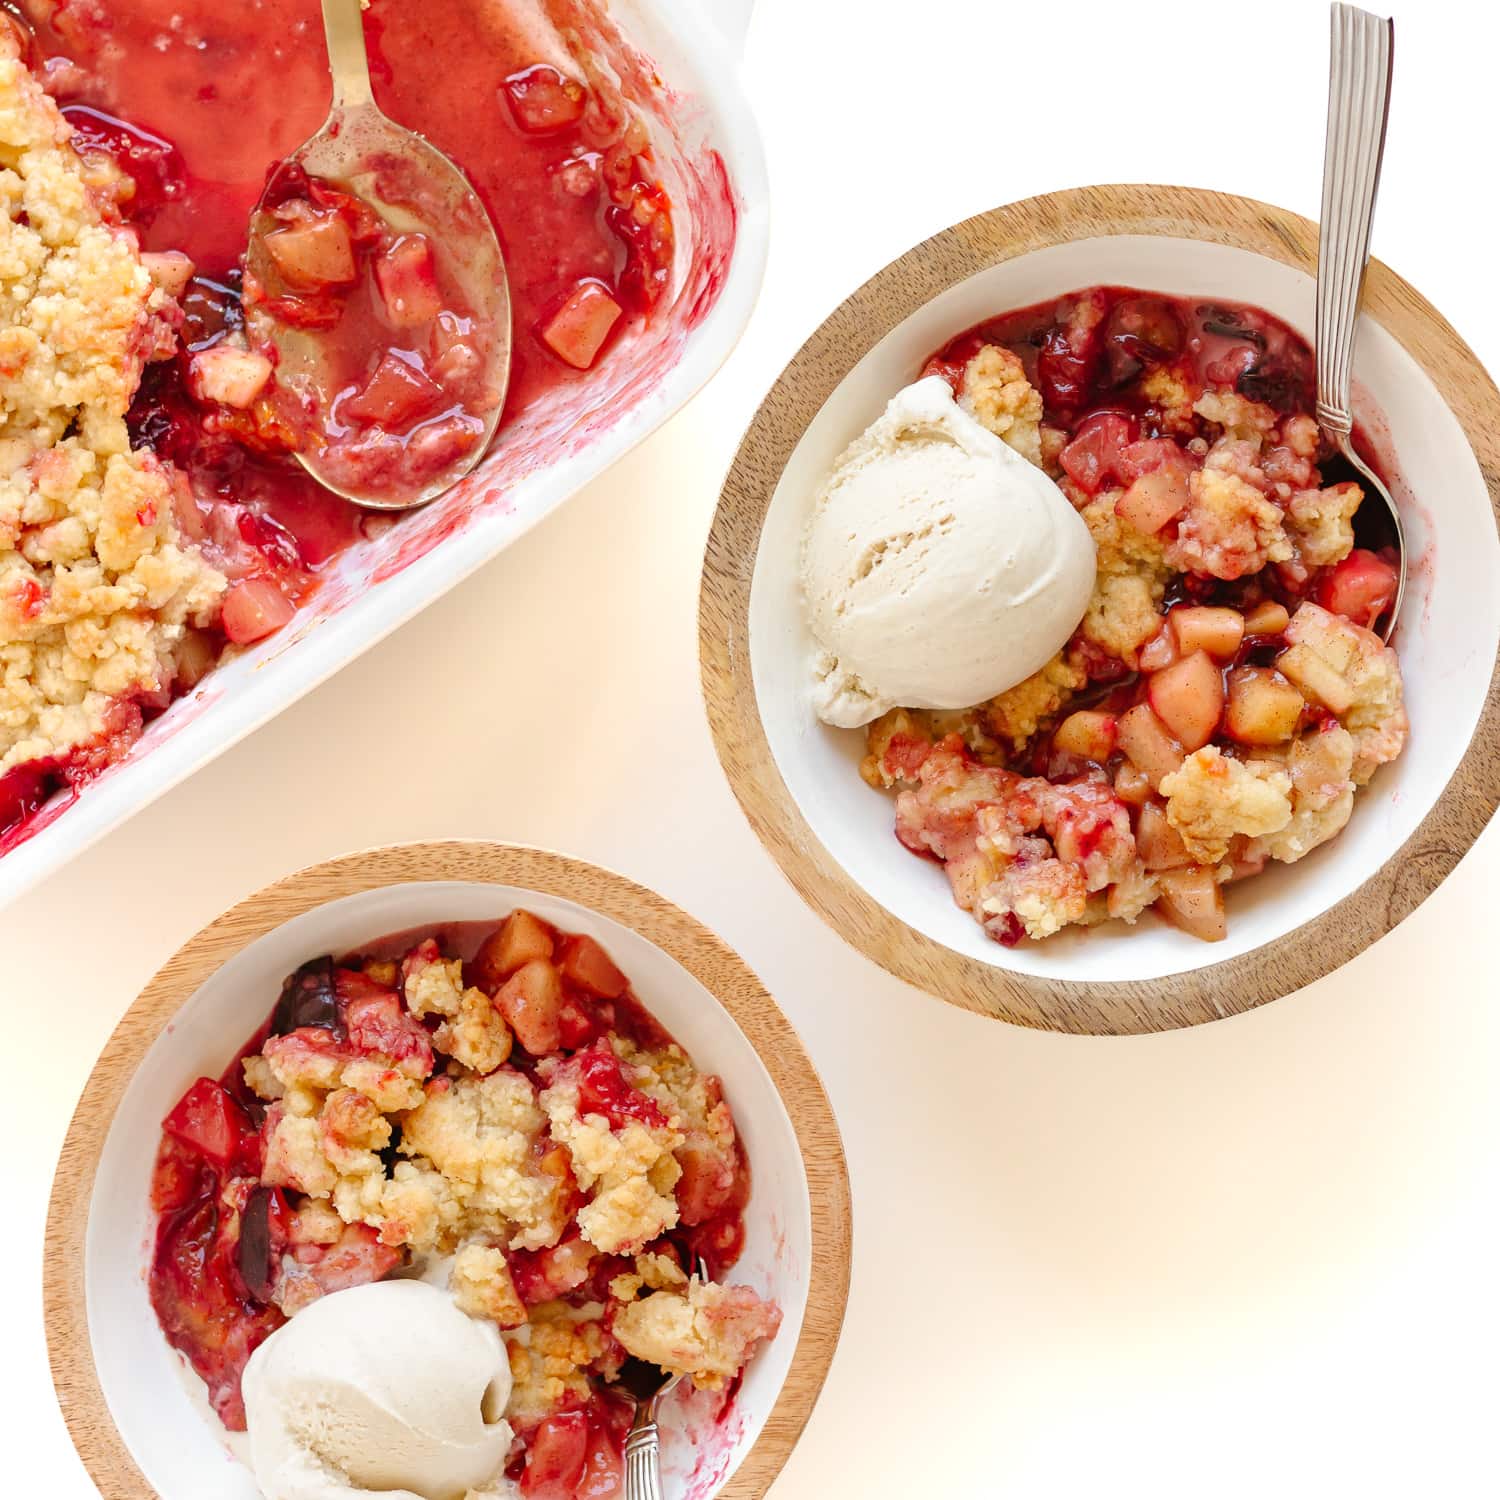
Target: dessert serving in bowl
<point>1049,572</point>
<point>404,1162</point>
<point>169,576</point>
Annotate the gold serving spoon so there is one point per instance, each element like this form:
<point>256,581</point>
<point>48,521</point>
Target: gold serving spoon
<point>358,150</point>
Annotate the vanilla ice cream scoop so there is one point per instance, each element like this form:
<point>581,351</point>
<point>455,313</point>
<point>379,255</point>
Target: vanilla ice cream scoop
<point>383,1390</point>
<point>939,567</point>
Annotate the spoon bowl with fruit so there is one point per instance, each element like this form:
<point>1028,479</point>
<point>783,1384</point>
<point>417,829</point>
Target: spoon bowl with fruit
<point>375,289</point>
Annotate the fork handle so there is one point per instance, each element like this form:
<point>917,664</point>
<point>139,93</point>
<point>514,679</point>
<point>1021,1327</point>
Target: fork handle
<point>1359,95</point>
<point>643,1462</point>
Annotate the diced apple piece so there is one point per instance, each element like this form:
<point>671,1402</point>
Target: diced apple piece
<point>1090,460</point>
<point>1360,588</point>
<point>1207,628</point>
<point>1159,845</point>
<point>1088,734</point>
<point>208,1120</point>
<point>1131,783</point>
<point>396,395</point>
<point>555,1455</point>
<point>544,101</point>
<point>706,1184</point>
<point>255,607</point>
<point>1150,744</point>
<point>406,277</point>
<point>1159,652</point>
<point>531,1001</point>
<point>577,330</point>
<point>313,252</point>
<point>229,376</point>
<point>1189,698</point>
<point>521,939</point>
<point>1154,499</point>
<point>1192,900</point>
<point>1316,678</point>
<point>588,966</point>
<point>1267,618</point>
<point>171,270</point>
<point>1263,708</point>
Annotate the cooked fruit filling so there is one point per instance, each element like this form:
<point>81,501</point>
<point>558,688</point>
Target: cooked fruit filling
<point>151,512</point>
<point>1226,692</point>
<point>485,1104</point>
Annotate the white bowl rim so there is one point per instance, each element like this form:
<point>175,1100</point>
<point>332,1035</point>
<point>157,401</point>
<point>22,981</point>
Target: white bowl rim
<point>990,982</point>
<point>707,965</point>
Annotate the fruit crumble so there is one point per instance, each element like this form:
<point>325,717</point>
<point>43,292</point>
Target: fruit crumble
<point>1226,692</point>
<point>152,516</point>
<point>490,1106</point>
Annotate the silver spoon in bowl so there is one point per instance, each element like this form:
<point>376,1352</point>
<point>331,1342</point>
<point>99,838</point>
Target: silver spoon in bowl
<point>361,151</point>
<point>1359,94</point>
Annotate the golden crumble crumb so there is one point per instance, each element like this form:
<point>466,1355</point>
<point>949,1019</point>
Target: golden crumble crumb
<point>996,394</point>
<point>1214,797</point>
<point>482,1286</point>
<point>550,1359</point>
<point>1019,712</point>
<point>1230,529</point>
<point>477,1035</point>
<point>1321,523</point>
<point>1242,419</point>
<point>1320,766</point>
<point>629,1173</point>
<point>704,1331</point>
<point>1130,583</point>
<point>96,589</point>
<point>1173,393</point>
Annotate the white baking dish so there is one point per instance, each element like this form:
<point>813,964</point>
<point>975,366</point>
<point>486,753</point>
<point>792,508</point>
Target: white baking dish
<point>710,155</point>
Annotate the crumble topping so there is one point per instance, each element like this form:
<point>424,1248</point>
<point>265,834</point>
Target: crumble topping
<point>1319,765</point>
<point>704,1330</point>
<point>1125,611</point>
<point>482,1286</point>
<point>95,587</point>
<point>1230,528</point>
<point>997,394</point>
<point>627,1168</point>
<point>551,1358</point>
<point>1019,712</point>
<point>1357,677</point>
<point>1215,797</point>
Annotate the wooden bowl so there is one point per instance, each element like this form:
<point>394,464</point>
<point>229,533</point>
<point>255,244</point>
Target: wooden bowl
<point>1426,399</point>
<point>128,1408</point>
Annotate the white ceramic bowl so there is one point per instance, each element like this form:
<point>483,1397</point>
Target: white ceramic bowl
<point>709,152</point>
<point>1447,640</point>
<point>158,1405</point>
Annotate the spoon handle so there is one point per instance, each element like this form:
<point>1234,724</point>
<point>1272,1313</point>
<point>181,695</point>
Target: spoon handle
<point>344,27</point>
<point>1359,95</point>
<point>643,1461</point>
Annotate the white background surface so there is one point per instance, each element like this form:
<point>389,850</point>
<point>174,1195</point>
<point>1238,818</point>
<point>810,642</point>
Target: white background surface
<point>1253,1259</point>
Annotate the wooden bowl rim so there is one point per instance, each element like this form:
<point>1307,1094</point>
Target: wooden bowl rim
<point>1409,874</point>
<point>698,950</point>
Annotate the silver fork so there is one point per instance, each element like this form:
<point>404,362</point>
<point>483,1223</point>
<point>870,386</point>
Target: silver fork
<point>643,1445</point>
<point>650,1385</point>
<point>1359,95</point>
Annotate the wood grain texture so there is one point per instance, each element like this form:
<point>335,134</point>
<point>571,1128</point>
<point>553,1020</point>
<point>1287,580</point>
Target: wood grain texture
<point>1236,984</point>
<point>693,946</point>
